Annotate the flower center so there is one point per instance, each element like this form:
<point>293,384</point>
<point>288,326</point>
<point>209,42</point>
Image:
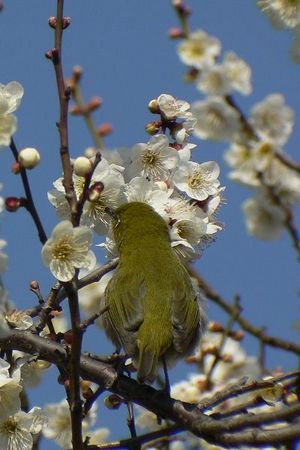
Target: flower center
<point>195,180</point>
<point>63,249</point>
<point>150,158</point>
<point>10,426</point>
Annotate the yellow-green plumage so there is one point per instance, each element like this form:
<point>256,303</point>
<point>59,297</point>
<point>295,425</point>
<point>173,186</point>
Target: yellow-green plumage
<point>152,307</point>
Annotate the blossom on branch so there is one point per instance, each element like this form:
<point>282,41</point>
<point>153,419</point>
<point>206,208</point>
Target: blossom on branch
<point>67,249</point>
<point>10,98</point>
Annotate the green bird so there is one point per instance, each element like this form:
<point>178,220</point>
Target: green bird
<point>152,308</point>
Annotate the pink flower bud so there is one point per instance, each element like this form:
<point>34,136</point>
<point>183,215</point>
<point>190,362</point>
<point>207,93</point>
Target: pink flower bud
<point>12,204</point>
<point>176,33</point>
<point>66,22</point>
<point>16,168</point>
<point>105,129</point>
<point>52,22</point>
<point>94,104</point>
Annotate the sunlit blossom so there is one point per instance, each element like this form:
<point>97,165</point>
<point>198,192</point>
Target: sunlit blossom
<point>216,120</point>
<point>272,119</point>
<point>16,431</point>
<point>154,160</point>
<point>264,220</point>
<point>171,108</point>
<point>197,180</point>
<point>199,49</point>
<point>67,249</point>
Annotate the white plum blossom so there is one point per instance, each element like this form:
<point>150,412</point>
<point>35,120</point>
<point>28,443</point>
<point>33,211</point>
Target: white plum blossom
<point>264,220</point>
<point>139,189</point>
<point>198,181</point>
<point>184,130</point>
<point>10,388</point>
<point>238,72</point>
<point>19,319</point>
<point>284,181</point>
<point>155,160</point>
<point>90,296</point>
<point>10,98</point>
<point>94,210</point>
<point>199,49</point>
<point>32,370</point>
<point>248,162</point>
<point>213,80</point>
<point>16,431</point>
<point>190,390</point>
<point>68,248</point>
<point>236,364</point>
<point>59,423</point>
<point>171,108</point>
<point>282,13</point>
<point>216,120</point>
<point>272,119</point>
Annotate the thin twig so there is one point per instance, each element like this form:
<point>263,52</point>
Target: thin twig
<point>272,341</point>
<point>30,206</point>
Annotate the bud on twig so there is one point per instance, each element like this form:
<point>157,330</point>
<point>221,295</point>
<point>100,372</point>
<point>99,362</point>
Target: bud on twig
<point>176,33</point>
<point>94,104</point>
<point>52,22</point>
<point>105,129</point>
<point>95,191</point>
<point>66,22</point>
<point>12,204</point>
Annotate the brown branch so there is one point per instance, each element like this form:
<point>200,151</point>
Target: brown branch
<point>246,326</point>
<point>75,398</point>
<point>64,97</point>
<point>30,206</point>
<point>223,431</point>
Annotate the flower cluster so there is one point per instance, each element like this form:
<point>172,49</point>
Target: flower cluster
<point>255,154</point>
<point>284,14</point>
<point>160,172</point>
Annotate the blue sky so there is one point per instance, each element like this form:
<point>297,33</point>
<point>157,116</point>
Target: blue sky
<point>127,60</point>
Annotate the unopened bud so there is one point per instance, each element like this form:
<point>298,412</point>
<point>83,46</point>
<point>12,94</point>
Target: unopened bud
<point>215,327</point>
<point>16,168</point>
<point>77,73</point>
<point>191,75</point>
<point>113,401</point>
<point>153,106</point>
<point>82,166</point>
<point>52,22</point>
<point>34,285</point>
<point>238,335</point>
<point>76,110</point>
<point>95,191</point>
<point>66,22</point>
<point>153,127</point>
<point>29,158</point>
<point>176,33</point>
<point>94,103</point>
<point>105,129</point>
<point>90,152</point>
<point>12,204</point>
